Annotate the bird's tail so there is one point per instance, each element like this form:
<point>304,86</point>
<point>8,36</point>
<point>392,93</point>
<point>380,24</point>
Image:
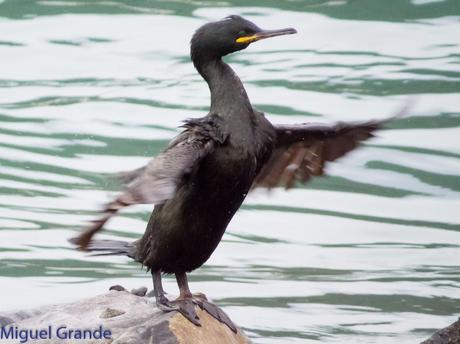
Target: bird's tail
<point>111,248</point>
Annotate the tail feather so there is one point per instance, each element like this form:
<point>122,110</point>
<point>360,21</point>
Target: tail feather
<point>111,248</point>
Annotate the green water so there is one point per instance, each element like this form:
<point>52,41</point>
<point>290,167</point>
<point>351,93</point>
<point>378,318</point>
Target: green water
<point>369,254</point>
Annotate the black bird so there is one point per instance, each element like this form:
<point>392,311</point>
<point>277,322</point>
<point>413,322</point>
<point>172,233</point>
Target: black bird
<point>200,180</point>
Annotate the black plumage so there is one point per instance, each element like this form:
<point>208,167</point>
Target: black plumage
<point>200,180</point>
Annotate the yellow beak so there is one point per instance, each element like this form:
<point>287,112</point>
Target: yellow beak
<point>264,34</point>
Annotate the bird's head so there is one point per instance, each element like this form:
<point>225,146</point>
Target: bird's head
<point>233,33</point>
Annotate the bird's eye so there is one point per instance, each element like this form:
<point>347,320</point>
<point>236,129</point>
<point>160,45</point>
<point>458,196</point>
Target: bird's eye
<point>242,33</point>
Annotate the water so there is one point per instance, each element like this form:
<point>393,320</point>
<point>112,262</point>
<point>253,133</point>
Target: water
<point>369,254</point>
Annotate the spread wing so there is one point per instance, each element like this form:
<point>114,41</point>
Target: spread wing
<point>157,181</point>
<point>302,151</point>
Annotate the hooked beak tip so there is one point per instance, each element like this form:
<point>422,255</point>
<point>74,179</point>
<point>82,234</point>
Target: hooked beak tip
<point>274,33</point>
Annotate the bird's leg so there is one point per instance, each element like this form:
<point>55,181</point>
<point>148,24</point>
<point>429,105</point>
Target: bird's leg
<point>185,301</point>
<point>184,304</point>
<point>161,300</point>
<point>184,289</point>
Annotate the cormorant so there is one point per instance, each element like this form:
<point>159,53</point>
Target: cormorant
<point>200,180</point>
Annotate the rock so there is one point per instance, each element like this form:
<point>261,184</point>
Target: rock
<point>129,318</point>
<point>139,291</point>
<point>117,287</point>
<point>447,335</point>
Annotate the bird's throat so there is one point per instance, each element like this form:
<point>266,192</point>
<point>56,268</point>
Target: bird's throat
<point>228,96</point>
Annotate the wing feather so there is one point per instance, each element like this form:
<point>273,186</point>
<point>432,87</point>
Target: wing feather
<point>156,182</point>
<point>302,151</point>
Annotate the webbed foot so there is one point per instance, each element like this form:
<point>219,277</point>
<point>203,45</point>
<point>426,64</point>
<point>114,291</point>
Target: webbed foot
<point>164,304</point>
<point>186,307</point>
<point>186,302</point>
<point>214,311</point>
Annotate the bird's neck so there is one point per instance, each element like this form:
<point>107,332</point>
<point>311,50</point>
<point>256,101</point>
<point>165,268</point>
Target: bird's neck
<point>228,96</point>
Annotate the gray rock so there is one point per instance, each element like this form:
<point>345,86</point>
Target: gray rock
<point>117,287</point>
<point>447,335</point>
<point>131,320</point>
<point>139,291</point>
